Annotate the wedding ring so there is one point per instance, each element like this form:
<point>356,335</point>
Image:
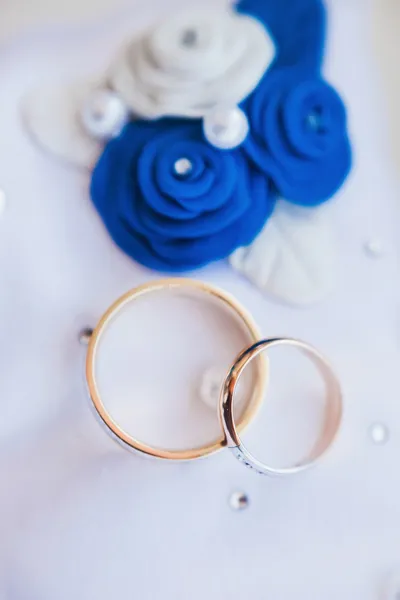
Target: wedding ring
<point>179,286</point>
<point>332,415</point>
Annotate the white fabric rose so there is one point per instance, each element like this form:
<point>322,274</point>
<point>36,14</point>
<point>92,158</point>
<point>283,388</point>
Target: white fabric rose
<point>191,62</point>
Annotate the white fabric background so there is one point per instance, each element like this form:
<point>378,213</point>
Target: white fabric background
<point>79,517</point>
<point>19,16</point>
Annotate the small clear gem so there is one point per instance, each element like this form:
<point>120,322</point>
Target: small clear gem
<point>374,248</point>
<point>379,434</point>
<point>239,501</point>
<point>183,166</point>
<point>85,335</point>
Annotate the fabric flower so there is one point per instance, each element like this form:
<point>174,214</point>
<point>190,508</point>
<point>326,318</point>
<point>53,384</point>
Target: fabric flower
<point>298,28</point>
<point>172,202</point>
<point>192,61</point>
<point>298,136</point>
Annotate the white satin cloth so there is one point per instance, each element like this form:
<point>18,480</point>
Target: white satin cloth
<point>20,16</point>
<point>80,519</point>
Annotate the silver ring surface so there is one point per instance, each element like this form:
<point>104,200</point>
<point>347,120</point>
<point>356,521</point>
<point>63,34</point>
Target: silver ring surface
<point>332,417</point>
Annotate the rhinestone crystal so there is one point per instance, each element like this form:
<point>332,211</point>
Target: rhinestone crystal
<point>374,248</point>
<point>85,335</point>
<point>379,434</point>
<point>182,167</point>
<point>239,501</point>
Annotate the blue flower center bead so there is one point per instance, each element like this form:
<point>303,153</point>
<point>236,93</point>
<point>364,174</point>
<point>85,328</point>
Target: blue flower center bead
<point>314,120</point>
<point>183,167</point>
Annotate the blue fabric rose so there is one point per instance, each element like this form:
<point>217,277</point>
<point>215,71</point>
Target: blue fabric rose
<point>176,222</point>
<point>298,28</point>
<point>298,136</point>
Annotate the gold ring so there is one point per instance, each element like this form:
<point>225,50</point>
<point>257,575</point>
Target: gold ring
<point>174,284</point>
<point>333,408</point>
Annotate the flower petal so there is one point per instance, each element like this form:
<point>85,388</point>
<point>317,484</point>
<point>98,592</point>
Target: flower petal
<point>298,136</point>
<point>167,242</point>
<point>172,195</point>
<point>203,249</point>
<point>297,28</point>
<point>293,258</point>
<point>51,115</point>
<point>314,118</point>
<point>206,223</point>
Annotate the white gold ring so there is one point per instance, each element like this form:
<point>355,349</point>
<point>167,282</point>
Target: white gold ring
<point>332,417</point>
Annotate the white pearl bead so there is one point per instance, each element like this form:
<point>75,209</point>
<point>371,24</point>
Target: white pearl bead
<point>211,385</point>
<point>226,128</point>
<point>104,114</point>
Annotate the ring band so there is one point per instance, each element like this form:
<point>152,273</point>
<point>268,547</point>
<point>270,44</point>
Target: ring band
<point>333,409</point>
<point>184,285</point>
